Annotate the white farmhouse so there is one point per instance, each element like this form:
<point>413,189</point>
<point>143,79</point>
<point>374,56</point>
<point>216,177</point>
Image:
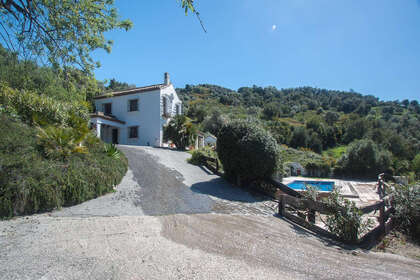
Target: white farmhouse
<point>136,116</point>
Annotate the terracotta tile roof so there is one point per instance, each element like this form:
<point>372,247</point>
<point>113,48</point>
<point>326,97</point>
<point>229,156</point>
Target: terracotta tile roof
<point>131,91</point>
<point>105,117</point>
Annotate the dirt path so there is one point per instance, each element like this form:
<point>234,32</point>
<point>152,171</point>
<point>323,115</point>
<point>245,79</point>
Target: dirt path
<point>164,225</point>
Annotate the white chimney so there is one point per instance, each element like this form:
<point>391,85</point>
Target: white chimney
<point>167,80</point>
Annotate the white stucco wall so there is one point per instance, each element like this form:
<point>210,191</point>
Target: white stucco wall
<point>147,118</point>
<point>210,140</point>
<point>170,93</point>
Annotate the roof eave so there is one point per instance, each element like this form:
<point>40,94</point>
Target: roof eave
<point>132,91</point>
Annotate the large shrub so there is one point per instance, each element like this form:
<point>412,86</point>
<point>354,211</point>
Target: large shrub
<point>364,158</point>
<point>31,182</point>
<point>247,151</point>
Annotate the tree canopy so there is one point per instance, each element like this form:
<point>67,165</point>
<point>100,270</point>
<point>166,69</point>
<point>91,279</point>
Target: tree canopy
<point>62,32</point>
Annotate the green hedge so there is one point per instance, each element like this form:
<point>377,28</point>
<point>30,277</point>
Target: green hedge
<point>30,182</point>
<point>247,151</point>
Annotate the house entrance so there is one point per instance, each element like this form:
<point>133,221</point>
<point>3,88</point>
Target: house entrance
<point>115,136</point>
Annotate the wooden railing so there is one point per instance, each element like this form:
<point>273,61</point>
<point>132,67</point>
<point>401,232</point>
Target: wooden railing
<point>311,207</point>
<point>212,164</point>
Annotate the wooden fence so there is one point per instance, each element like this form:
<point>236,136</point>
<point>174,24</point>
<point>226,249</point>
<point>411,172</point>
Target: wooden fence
<point>212,164</point>
<point>310,207</point>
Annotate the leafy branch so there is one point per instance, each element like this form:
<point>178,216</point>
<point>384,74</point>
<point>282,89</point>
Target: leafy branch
<point>188,5</point>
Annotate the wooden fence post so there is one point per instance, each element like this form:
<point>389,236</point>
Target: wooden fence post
<point>311,216</point>
<point>281,205</point>
<point>382,218</point>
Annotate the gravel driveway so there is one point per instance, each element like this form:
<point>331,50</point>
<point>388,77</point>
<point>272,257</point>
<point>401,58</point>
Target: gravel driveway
<point>172,220</point>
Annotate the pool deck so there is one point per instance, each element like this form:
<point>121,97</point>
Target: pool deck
<point>361,192</point>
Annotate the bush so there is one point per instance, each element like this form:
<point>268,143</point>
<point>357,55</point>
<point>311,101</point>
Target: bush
<point>198,156</point>
<point>247,151</point>
<point>407,209</point>
<point>346,221</point>
<point>364,158</point>
<point>31,182</point>
<point>416,165</point>
<point>111,150</point>
<point>181,131</point>
<point>60,142</point>
<point>31,106</point>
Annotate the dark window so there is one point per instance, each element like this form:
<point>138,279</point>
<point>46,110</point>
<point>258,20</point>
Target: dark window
<point>178,109</point>
<point>133,132</point>
<point>108,108</point>
<point>164,104</point>
<point>133,105</point>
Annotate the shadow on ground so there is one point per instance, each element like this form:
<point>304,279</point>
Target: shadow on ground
<point>301,231</point>
<point>221,189</point>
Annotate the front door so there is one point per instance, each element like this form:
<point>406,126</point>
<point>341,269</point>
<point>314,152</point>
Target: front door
<point>114,136</point>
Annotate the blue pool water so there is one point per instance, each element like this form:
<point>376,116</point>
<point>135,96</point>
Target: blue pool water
<point>321,186</point>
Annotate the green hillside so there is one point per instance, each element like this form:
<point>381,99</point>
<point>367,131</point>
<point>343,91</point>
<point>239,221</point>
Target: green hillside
<point>320,120</point>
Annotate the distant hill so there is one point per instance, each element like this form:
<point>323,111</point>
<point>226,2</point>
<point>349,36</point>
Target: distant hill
<point>313,118</point>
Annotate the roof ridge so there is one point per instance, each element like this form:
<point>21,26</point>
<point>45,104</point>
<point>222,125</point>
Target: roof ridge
<point>131,90</point>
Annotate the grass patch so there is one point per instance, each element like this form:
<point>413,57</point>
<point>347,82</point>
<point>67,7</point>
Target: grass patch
<point>336,152</point>
<point>291,121</point>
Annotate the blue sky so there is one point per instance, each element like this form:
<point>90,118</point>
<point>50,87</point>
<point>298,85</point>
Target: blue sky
<point>370,46</point>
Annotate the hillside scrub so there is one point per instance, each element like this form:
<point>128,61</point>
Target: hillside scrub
<point>32,182</point>
<point>30,107</point>
<point>247,151</point>
<point>416,165</point>
<point>316,119</point>
<point>364,158</point>
<point>315,164</point>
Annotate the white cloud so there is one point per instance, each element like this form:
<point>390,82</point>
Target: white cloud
<point>274,27</point>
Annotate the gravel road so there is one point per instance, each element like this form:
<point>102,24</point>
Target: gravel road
<point>172,220</point>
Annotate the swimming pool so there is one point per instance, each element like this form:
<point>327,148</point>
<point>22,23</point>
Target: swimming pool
<point>325,186</point>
